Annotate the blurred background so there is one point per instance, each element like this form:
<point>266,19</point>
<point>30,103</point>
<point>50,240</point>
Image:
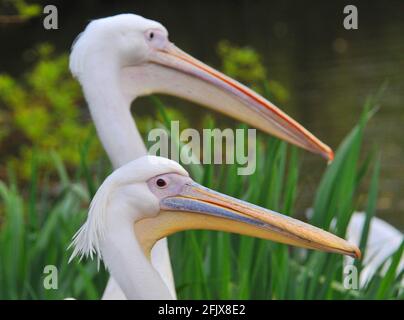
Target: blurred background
<point>322,73</point>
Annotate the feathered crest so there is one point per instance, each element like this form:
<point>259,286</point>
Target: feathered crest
<point>86,241</point>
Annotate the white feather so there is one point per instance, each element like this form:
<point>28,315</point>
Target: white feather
<point>86,241</point>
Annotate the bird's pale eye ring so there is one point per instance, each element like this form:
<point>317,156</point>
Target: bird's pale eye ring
<point>156,38</point>
<point>161,183</point>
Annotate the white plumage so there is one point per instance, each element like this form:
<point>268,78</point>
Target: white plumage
<point>383,241</point>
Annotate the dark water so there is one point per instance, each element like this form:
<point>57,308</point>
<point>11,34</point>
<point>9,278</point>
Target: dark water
<point>328,70</point>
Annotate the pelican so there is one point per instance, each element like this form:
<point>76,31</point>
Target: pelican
<point>119,58</point>
<point>383,241</point>
<point>153,197</point>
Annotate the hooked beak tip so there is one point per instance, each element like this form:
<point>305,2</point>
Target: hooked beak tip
<point>357,253</point>
<point>328,154</point>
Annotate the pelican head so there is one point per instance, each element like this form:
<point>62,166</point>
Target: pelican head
<point>134,56</point>
<point>153,197</point>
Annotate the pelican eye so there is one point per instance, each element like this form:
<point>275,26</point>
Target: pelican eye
<point>151,35</point>
<point>161,183</point>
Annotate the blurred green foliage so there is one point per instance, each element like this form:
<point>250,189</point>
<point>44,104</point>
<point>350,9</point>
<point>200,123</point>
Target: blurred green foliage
<point>26,10</point>
<point>242,63</point>
<point>245,64</point>
<point>42,111</point>
<point>19,10</point>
